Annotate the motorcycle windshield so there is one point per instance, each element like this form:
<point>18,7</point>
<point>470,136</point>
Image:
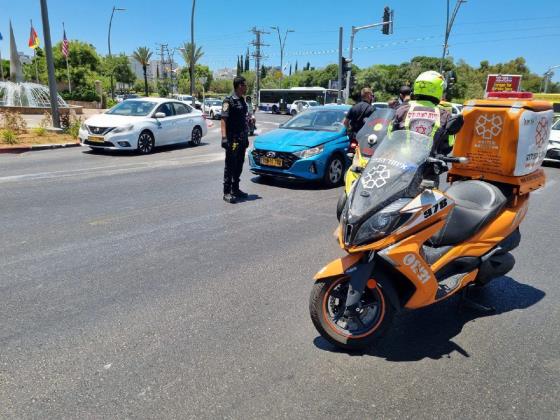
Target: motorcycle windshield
<point>389,174</point>
<point>376,125</point>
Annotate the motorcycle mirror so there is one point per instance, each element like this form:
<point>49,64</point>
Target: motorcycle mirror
<point>372,139</point>
<point>454,124</point>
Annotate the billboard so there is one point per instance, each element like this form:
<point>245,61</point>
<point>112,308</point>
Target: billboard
<point>503,83</point>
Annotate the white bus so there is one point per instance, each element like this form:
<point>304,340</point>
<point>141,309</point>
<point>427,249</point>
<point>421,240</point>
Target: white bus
<point>278,100</point>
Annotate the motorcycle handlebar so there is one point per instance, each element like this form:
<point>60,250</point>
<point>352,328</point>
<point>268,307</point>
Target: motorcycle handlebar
<point>448,159</point>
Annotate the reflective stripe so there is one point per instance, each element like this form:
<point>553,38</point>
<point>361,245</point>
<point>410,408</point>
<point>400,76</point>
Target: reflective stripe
<point>434,108</point>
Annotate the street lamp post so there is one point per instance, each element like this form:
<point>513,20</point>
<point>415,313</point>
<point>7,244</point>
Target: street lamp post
<point>448,27</point>
<point>109,45</point>
<point>548,76</point>
<point>282,44</point>
<point>192,54</point>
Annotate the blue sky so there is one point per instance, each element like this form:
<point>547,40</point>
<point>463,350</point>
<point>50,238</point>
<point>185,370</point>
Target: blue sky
<point>493,30</point>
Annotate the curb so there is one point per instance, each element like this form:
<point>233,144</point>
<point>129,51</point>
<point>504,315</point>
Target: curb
<point>32,148</point>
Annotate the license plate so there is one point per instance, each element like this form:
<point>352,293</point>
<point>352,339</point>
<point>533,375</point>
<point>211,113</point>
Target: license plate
<point>271,162</point>
<point>96,139</point>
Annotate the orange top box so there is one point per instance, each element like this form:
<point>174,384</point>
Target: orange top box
<point>505,140</point>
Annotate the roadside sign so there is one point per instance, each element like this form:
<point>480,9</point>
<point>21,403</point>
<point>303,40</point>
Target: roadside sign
<point>503,83</point>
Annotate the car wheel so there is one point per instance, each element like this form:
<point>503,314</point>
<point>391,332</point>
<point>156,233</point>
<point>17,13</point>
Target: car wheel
<point>293,112</point>
<point>146,143</point>
<point>334,171</point>
<point>211,115</point>
<point>196,136</point>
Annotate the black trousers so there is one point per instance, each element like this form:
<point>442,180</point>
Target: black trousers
<point>235,157</point>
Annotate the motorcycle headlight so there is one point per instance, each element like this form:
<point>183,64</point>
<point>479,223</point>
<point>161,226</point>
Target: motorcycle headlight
<point>309,152</point>
<point>123,129</point>
<point>381,223</point>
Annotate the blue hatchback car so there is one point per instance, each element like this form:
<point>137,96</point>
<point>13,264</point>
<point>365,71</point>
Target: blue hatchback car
<point>310,147</point>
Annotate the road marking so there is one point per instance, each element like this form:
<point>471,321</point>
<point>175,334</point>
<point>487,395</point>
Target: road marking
<point>116,169</point>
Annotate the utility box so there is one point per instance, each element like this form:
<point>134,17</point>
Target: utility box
<point>505,140</point>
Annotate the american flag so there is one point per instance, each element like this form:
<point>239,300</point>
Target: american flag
<point>65,44</point>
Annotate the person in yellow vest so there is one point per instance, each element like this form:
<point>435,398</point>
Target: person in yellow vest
<point>423,114</point>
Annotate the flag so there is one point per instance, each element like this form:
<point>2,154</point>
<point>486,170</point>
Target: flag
<point>33,39</point>
<point>64,45</point>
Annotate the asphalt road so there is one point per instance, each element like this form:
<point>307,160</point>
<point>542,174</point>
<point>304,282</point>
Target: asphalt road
<point>128,288</point>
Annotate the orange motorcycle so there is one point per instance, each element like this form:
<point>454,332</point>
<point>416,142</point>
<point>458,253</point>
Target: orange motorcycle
<point>411,245</point>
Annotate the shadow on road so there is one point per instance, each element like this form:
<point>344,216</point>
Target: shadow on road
<point>428,332</point>
<point>132,153</point>
<point>288,184</point>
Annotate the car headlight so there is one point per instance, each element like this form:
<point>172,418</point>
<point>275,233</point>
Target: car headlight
<point>309,152</point>
<point>381,223</point>
<point>123,129</point>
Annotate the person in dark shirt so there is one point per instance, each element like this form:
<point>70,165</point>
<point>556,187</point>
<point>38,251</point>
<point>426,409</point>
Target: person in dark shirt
<point>235,139</point>
<point>403,98</point>
<point>355,119</point>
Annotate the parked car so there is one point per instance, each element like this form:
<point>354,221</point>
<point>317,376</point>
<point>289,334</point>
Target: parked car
<point>142,125</point>
<point>212,108</point>
<point>125,96</point>
<point>553,150</point>
<point>300,106</point>
<point>188,100</point>
<point>311,146</point>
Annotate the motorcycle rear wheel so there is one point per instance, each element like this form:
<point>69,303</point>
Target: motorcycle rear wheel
<point>326,307</point>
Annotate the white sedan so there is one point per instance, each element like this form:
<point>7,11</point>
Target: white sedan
<point>142,124</point>
<point>553,149</point>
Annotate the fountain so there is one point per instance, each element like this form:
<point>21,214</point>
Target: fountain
<point>25,97</point>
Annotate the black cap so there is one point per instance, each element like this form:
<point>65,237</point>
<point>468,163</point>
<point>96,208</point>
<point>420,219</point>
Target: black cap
<point>405,90</point>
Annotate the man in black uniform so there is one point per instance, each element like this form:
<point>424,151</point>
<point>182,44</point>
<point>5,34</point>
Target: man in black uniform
<point>354,120</point>
<point>235,139</point>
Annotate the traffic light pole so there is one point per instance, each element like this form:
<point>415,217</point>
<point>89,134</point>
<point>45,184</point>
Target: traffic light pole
<point>355,30</point>
<point>340,32</point>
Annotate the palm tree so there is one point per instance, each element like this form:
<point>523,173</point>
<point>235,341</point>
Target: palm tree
<point>186,53</point>
<point>143,55</point>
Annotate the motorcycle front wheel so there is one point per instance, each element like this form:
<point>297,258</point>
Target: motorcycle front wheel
<point>327,304</point>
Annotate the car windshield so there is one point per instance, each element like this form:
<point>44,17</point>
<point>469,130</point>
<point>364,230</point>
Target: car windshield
<point>318,120</point>
<point>392,172</point>
<point>133,108</point>
<point>214,103</point>
<point>556,125</point>
<point>313,103</point>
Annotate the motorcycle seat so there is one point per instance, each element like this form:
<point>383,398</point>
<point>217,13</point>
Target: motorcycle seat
<point>476,204</point>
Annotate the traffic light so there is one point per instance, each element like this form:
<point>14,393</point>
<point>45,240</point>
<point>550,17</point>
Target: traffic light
<point>450,78</point>
<point>352,82</point>
<point>346,65</point>
<point>387,27</point>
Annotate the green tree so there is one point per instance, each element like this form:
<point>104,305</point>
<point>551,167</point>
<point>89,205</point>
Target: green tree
<point>247,63</point>
<point>187,51</point>
<point>143,55</point>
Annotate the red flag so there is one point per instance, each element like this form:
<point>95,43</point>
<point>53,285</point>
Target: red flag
<point>33,39</point>
<point>65,45</point>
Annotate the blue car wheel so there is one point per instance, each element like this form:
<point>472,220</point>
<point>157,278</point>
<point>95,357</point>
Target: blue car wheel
<point>334,171</point>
